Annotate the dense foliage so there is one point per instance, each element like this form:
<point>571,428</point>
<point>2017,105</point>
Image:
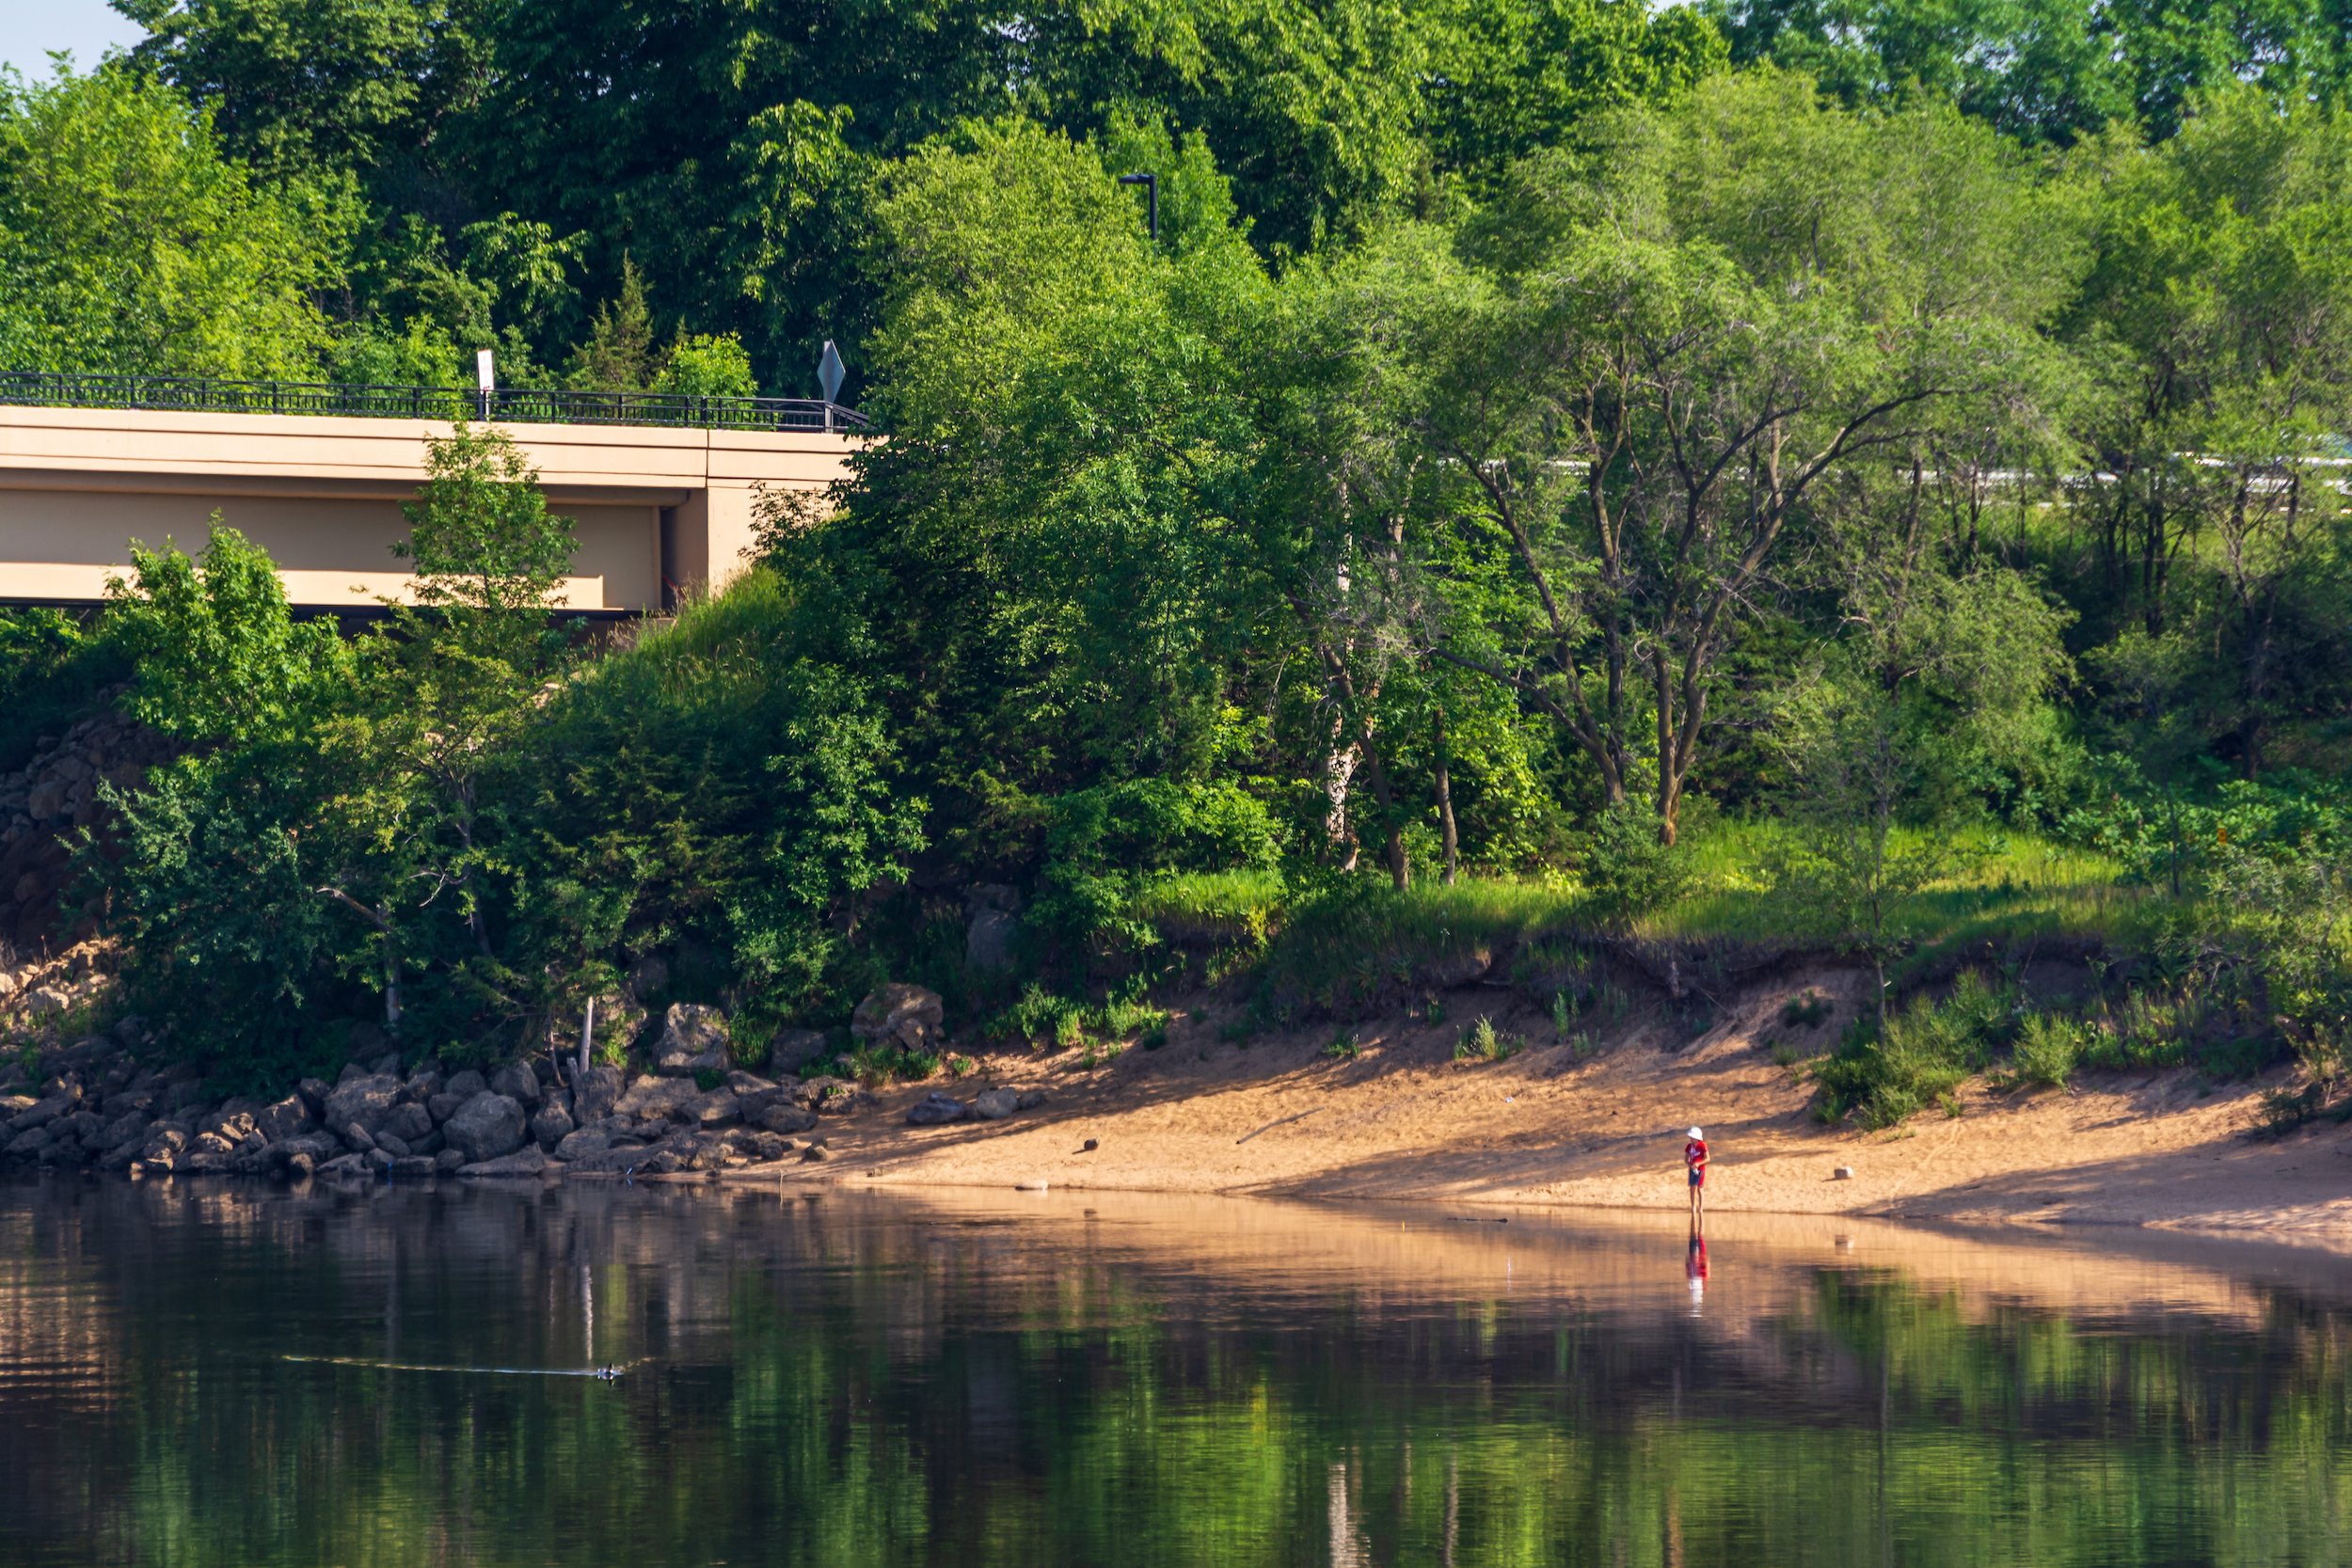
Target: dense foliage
<point>1535,434</point>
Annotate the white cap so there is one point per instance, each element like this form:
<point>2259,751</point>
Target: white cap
<point>1696,1133</point>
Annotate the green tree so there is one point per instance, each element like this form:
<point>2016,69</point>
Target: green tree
<point>300,86</point>
<point>1658,360</point>
<point>130,243</point>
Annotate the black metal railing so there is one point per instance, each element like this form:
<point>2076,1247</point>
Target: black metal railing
<point>516,406</point>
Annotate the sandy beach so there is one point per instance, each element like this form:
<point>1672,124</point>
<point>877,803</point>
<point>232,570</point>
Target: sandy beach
<point>1402,1121</point>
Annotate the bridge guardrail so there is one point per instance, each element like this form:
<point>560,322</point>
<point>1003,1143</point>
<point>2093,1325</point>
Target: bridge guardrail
<point>517,405</point>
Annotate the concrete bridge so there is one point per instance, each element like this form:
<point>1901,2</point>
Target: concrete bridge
<point>662,505</point>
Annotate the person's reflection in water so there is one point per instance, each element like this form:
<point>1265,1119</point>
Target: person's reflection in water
<point>1694,1269</point>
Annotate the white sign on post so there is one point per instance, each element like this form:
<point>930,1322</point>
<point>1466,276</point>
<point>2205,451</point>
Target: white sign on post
<point>483,373</point>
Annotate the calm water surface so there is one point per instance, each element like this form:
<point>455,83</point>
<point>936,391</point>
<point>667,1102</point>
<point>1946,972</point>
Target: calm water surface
<point>236,1373</point>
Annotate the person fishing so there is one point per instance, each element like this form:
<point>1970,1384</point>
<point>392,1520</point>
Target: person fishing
<point>1694,1159</point>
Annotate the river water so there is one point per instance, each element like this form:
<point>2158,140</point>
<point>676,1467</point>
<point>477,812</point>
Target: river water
<point>214,1372</point>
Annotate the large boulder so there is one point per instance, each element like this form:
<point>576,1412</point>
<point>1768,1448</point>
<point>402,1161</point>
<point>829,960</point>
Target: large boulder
<point>593,1096</point>
<point>550,1125</point>
<point>652,1097</point>
<point>909,1015</point>
<point>937,1109</point>
<point>582,1142</point>
<point>366,1100</point>
<point>124,1127</point>
<point>289,1118</point>
<point>487,1127</point>
<point>516,1082</point>
<point>466,1084</point>
<point>314,1092</point>
<point>995,927</point>
<point>794,1048</point>
<point>47,1111</point>
<point>446,1104</point>
<point>995,1104</point>
<point>408,1122</point>
<point>788,1119</point>
<point>718,1108</point>
<point>693,1039</point>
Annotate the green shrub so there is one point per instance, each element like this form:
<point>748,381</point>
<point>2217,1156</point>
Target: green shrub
<point>1345,1047</point>
<point>961,1066</point>
<point>707,1079</point>
<point>2048,1049</point>
<point>1628,871</point>
<point>1808,1011</point>
<point>1930,1049</point>
<point>1481,1043</point>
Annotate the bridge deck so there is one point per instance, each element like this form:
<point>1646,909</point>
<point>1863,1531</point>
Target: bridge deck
<point>323,494</point>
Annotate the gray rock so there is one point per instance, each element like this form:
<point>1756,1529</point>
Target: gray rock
<point>593,1096</point>
<point>28,1144</point>
<point>747,1083</point>
<point>937,1109</point>
<point>1030,1100</point>
<point>466,1084</point>
<point>233,1122</point>
<point>86,1128</point>
<point>718,1108</point>
<point>314,1092</point>
<point>487,1127</point>
<point>794,1048</point>
<point>45,1112</point>
<point>693,1039</point>
<point>447,1160</point>
<point>754,1105</point>
<point>357,1138</point>
<point>125,1128</point>
<point>789,1118</point>
<point>65,1154</point>
<point>392,1144</point>
<point>516,1082</point>
<point>423,1085</point>
<point>527,1162</point>
<point>551,1127</point>
<point>992,939</point>
<point>365,1101</point>
<point>289,1118</point>
<point>429,1144</point>
<point>581,1143</point>
<point>408,1122</point>
<point>909,1015</point>
<point>119,1158</point>
<point>387,1066</point>
<point>770,1145</point>
<point>656,1097</point>
<point>414,1166</point>
<point>344,1165</point>
<point>379,1161</point>
<point>995,1104</point>
<point>444,1105</point>
<point>352,1072</point>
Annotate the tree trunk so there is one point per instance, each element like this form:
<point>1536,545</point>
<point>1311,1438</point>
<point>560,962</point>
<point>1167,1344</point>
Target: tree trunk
<point>1445,808</point>
<point>587,1032</point>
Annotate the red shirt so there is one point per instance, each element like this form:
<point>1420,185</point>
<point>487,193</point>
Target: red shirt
<point>1694,1152</point>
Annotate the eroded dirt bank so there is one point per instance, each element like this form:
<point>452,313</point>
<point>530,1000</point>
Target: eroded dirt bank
<point>1402,1120</point>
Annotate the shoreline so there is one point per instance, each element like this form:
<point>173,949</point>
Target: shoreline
<point>1392,1118</point>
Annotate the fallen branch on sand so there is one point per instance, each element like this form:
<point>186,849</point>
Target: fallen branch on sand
<point>1272,1125</point>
